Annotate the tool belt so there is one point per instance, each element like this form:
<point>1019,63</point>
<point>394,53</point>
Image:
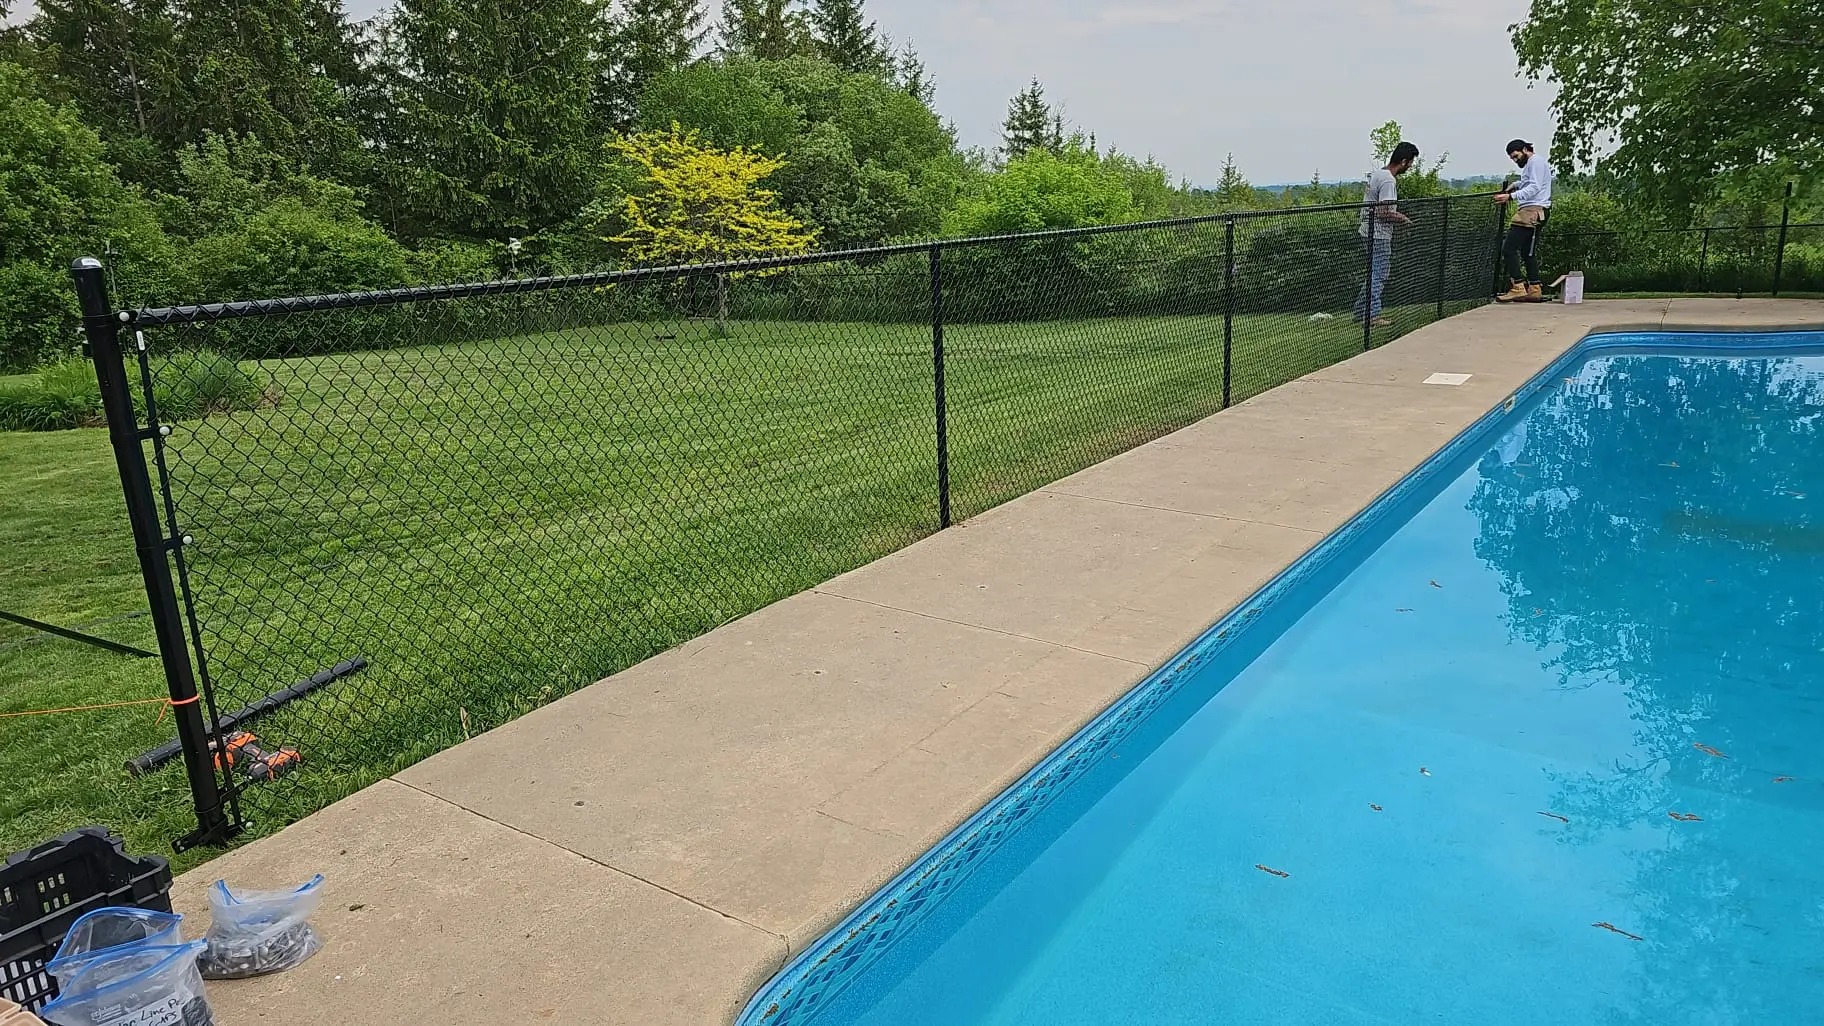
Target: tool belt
<point>1529,217</point>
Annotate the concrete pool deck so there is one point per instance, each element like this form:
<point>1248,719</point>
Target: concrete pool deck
<point>653,848</point>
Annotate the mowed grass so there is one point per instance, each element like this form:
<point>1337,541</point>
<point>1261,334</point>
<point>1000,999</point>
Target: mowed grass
<point>496,524</point>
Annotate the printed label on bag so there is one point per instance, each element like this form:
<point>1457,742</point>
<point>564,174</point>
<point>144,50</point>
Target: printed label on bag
<point>167,1011</point>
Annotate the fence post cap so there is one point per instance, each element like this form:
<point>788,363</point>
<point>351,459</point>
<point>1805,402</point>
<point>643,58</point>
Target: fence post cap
<point>85,264</point>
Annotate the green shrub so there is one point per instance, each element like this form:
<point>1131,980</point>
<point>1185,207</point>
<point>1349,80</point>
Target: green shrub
<point>192,384</point>
<point>65,395</point>
<point>59,199</point>
<point>59,397</point>
<point>38,314</point>
<point>448,262</point>
<point>289,249</point>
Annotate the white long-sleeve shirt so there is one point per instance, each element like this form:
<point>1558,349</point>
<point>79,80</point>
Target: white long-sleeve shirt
<point>1534,189</point>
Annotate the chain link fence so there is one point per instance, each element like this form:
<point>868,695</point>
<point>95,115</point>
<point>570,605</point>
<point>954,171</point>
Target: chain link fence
<point>1766,259</point>
<point>419,514</point>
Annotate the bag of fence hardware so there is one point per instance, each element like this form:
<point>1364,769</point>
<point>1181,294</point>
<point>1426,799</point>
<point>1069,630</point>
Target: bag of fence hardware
<point>253,933</point>
<point>147,985</point>
<point>108,932</point>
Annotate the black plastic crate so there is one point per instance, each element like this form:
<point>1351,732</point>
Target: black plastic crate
<point>44,890</point>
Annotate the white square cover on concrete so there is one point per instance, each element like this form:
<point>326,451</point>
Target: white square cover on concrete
<point>1448,379</point>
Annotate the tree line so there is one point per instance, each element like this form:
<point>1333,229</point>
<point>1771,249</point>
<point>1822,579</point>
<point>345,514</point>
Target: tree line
<point>214,150</point>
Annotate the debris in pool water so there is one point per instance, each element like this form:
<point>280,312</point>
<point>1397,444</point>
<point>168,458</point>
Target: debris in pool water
<point>1673,464</point>
<point>1554,815</point>
<point>1707,750</point>
<point>1375,807</point>
<point>1782,780</point>
<point>1402,610</point>
<point>1686,817</point>
<point>1274,872</point>
<point>1437,585</point>
<point>1537,613</point>
<point>1612,928</point>
<point>1423,772</point>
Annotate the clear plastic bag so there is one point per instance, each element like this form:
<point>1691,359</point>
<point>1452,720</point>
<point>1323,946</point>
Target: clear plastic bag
<point>253,933</point>
<point>107,932</point>
<point>146,985</point>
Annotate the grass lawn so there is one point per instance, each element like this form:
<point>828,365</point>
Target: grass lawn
<point>496,524</point>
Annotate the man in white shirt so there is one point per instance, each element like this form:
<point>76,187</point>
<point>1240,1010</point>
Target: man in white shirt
<point>1379,216</point>
<point>1532,199</point>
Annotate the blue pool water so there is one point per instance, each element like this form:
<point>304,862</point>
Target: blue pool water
<point>1544,746</point>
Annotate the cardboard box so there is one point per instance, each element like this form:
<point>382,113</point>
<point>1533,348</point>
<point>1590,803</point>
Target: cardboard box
<point>12,1015</point>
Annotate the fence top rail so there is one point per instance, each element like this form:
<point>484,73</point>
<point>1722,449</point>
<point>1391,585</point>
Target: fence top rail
<point>203,312</point>
<point>1596,233</point>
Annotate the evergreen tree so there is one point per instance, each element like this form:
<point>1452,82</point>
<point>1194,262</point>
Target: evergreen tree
<point>155,75</point>
<point>13,44</point>
<point>1232,189</point>
<point>1030,124</point>
<point>117,60</point>
<point>494,134</point>
<point>280,70</point>
<point>651,38</point>
<point>911,75</point>
<point>846,38</point>
<point>767,29</point>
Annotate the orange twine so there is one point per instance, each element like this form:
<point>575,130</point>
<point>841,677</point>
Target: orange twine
<point>165,704</point>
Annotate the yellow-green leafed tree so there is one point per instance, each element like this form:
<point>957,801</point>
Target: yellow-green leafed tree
<point>702,205</point>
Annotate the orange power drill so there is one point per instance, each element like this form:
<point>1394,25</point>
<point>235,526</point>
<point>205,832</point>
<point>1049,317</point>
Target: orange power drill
<point>241,751</point>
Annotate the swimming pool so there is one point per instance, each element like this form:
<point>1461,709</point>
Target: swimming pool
<point>1535,739</point>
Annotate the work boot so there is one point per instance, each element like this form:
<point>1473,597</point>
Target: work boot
<point>1514,294</point>
<point>1535,292</point>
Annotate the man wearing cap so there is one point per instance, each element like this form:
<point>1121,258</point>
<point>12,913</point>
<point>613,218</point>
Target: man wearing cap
<point>1532,199</point>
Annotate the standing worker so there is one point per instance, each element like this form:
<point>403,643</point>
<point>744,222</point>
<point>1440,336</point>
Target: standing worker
<point>1379,215</point>
<point>1532,198</point>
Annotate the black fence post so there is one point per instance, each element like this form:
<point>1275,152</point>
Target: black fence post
<point>1372,216</point>
<point>1228,311</point>
<point>102,329</point>
<point>1703,263</point>
<point>1443,258</point>
<point>937,369</point>
<point>1779,253</point>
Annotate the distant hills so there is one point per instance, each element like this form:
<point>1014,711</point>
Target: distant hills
<point>1455,183</point>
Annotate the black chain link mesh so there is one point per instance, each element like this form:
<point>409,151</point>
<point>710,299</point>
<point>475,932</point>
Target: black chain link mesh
<point>1722,260</point>
<point>500,494</point>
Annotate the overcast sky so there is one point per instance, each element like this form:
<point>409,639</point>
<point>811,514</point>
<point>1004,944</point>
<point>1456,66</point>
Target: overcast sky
<point>1288,86</point>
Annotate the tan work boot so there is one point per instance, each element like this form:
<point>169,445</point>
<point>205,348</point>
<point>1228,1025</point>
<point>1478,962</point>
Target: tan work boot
<point>1514,294</point>
<point>1535,293</point>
